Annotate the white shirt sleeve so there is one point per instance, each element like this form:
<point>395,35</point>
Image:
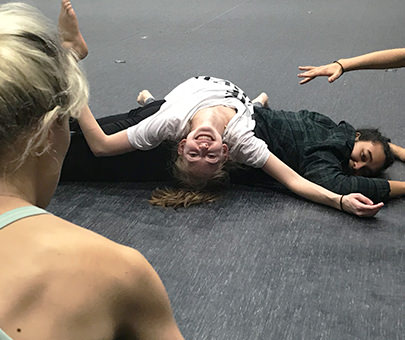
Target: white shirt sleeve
<point>244,146</point>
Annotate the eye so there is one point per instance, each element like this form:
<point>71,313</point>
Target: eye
<point>211,156</point>
<point>193,154</point>
<point>363,157</point>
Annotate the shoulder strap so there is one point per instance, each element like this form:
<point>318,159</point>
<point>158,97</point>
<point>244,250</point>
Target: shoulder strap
<point>19,213</point>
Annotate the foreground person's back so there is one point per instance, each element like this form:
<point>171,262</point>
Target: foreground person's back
<point>57,280</point>
<point>60,281</point>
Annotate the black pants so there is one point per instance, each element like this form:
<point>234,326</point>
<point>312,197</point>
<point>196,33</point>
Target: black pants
<point>81,165</point>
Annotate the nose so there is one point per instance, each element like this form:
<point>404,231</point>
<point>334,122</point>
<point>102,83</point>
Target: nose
<point>203,146</point>
<point>358,165</point>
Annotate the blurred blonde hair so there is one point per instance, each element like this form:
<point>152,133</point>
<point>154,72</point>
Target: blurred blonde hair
<point>177,197</point>
<point>193,190</point>
<point>40,81</point>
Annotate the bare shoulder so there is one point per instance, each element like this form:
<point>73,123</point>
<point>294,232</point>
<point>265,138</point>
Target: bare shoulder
<point>112,275</point>
<point>126,263</point>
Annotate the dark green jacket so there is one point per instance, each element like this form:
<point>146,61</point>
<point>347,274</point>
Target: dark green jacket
<point>318,149</point>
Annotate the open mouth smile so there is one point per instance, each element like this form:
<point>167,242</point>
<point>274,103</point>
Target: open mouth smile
<point>204,137</point>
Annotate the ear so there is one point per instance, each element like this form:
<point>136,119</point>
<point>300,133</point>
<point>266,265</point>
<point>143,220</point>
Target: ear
<point>358,134</point>
<point>225,151</point>
<point>56,127</point>
<point>180,147</point>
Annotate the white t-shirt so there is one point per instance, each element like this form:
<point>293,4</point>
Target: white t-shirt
<point>183,102</point>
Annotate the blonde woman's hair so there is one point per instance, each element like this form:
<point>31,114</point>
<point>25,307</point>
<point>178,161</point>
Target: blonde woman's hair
<point>217,181</point>
<point>177,197</point>
<point>40,81</point>
<point>193,189</point>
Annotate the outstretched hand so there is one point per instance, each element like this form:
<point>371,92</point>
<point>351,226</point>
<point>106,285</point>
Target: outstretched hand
<point>333,71</point>
<point>360,205</point>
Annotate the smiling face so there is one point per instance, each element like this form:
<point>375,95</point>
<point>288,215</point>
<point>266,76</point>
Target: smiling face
<point>203,151</point>
<point>367,158</point>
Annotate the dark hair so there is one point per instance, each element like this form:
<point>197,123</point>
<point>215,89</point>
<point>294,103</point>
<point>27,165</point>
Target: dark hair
<point>375,136</point>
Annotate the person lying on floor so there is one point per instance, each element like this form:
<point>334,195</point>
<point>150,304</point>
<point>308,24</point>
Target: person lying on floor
<point>211,122</point>
<point>335,156</point>
<point>58,281</point>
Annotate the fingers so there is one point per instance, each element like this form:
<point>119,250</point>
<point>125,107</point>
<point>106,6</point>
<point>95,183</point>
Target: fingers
<point>306,68</point>
<point>334,76</point>
<point>306,80</point>
<point>331,79</point>
<point>332,71</point>
<point>367,210</point>
<point>370,210</point>
<point>360,205</point>
<point>307,75</point>
<point>363,199</point>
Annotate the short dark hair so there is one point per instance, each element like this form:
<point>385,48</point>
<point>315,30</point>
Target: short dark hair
<point>375,136</point>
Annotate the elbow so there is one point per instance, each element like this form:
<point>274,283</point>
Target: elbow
<point>99,151</point>
<point>101,148</point>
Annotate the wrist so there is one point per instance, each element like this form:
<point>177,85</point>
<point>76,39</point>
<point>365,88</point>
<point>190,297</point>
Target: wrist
<point>341,203</point>
<point>342,68</point>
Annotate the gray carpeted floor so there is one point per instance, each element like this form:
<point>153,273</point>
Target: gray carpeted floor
<point>258,264</point>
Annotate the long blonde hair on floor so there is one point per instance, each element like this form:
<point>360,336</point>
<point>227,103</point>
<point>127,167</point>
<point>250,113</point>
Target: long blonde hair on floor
<point>178,197</point>
<point>192,190</point>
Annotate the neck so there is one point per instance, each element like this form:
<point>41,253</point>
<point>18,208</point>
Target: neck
<point>217,117</point>
<point>21,183</point>
<point>8,191</point>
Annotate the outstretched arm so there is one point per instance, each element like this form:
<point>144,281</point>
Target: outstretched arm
<point>356,204</point>
<point>393,58</point>
<point>398,151</point>
<point>397,188</point>
<point>100,143</point>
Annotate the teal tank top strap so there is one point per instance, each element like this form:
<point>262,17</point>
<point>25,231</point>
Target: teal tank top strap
<point>4,336</point>
<point>19,213</point>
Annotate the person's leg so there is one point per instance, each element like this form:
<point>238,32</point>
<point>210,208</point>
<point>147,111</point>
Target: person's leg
<point>145,97</point>
<point>115,123</point>
<point>262,100</point>
<point>69,31</point>
<point>81,165</point>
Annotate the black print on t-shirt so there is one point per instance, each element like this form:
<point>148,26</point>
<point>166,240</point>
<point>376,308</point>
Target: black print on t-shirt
<point>233,92</point>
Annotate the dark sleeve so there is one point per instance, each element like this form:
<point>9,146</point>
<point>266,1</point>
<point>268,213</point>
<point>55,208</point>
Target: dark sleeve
<point>327,172</point>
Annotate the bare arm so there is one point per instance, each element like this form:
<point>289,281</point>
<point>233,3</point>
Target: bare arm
<point>393,58</point>
<point>354,203</point>
<point>376,60</point>
<point>397,188</point>
<point>398,151</point>
<point>100,143</point>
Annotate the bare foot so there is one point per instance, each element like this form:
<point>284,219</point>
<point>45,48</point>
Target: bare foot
<point>262,98</point>
<point>70,32</point>
<point>143,96</point>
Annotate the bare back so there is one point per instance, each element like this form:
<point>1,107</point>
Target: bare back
<point>60,281</point>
